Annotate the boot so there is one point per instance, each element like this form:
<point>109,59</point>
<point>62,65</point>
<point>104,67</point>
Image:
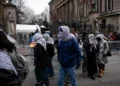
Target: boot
<point>103,71</point>
<point>100,73</point>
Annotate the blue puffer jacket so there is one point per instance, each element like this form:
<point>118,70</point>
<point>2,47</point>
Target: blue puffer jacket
<point>69,52</point>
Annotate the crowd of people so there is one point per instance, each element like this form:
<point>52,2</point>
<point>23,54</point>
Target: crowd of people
<point>71,49</point>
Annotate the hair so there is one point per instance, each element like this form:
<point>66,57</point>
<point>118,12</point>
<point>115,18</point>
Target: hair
<point>5,43</point>
<point>32,34</point>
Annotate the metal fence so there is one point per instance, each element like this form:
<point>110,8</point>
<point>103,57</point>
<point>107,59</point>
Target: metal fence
<point>28,52</point>
<point>114,46</point>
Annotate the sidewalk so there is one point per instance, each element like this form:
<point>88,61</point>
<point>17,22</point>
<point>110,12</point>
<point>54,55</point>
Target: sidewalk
<point>110,78</point>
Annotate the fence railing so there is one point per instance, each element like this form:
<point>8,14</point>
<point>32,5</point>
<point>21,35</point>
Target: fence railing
<point>114,46</point>
<point>26,50</point>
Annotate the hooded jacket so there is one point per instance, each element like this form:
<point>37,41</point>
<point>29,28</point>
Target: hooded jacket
<point>50,45</point>
<point>103,49</point>
<point>42,60</point>
<point>69,50</point>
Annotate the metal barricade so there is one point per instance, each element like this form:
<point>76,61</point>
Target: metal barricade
<point>26,51</point>
<point>114,46</point>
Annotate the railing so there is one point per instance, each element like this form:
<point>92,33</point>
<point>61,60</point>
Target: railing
<point>28,52</point>
<point>114,46</point>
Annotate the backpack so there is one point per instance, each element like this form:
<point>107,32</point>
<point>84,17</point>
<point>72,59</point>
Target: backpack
<point>109,51</point>
<point>21,66</point>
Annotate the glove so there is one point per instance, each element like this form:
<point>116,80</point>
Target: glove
<point>77,66</point>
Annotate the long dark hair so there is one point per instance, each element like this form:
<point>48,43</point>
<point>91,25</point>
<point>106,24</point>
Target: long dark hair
<point>5,44</point>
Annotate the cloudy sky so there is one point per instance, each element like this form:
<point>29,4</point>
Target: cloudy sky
<point>37,5</point>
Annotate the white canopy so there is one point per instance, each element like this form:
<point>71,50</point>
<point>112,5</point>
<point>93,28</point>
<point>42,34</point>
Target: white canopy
<point>27,28</point>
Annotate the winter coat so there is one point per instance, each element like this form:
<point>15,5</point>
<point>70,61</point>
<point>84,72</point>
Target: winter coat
<point>42,60</point>
<point>69,51</point>
<point>103,50</point>
<point>8,73</point>
<point>50,50</point>
<point>90,56</point>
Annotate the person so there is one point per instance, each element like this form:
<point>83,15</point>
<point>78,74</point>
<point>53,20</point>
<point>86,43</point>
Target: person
<point>8,73</point>
<point>90,48</point>
<point>50,51</point>
<point>69,51</point>
<point>31,38</point>
<point>102,54</point>
<point>84,36</point>
<point>41,60</point>
<point>56,44</point>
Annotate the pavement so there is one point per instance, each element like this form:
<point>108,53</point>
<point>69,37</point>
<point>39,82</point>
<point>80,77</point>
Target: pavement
<point>110,78</point>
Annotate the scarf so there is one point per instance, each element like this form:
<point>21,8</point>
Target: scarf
<point>38,38</point>
<point>63,32</point>
<point>92,41</point>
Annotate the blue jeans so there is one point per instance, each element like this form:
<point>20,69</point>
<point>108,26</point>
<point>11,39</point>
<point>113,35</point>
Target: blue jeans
<point>71,73</point>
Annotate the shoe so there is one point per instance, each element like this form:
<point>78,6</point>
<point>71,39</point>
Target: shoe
<point>67,83</point>
<point>88,75</point>
<point>50,75</point>
<point>92,77</point>
<point>39,84</point>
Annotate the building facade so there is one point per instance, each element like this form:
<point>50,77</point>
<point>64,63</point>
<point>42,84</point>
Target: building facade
<point>88,15</point>
<point>63,12</point>
<point>8,17</point>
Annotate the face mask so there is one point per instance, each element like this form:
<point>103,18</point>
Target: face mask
<point>62,35</point>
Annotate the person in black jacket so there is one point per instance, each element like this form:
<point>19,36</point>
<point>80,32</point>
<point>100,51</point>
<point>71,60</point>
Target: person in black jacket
<point>50,51</point>
<point>8,73</point>
<point>42,60</point>
<point>90,48</point>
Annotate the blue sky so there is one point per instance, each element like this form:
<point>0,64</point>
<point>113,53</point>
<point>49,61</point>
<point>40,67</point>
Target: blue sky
<point>37,5</point>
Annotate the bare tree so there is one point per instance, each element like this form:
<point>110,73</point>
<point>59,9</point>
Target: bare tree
<point>30,16</point>
<point>20,13</point>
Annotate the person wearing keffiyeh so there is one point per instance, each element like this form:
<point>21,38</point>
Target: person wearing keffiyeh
<point>90,54</point>
<point>42,60</point>
<point>69,52</point>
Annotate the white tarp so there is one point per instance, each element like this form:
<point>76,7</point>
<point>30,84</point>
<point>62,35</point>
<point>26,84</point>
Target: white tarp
<point>27,28</point>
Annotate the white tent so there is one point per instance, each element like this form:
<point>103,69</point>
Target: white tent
<point>22,28</point>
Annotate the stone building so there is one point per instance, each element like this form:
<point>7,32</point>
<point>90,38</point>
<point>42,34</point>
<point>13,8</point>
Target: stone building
<point>87,15</point>
<point>63,12</point>
<point>8,17</point>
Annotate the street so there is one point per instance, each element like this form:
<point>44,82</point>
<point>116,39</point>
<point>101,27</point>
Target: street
<point>110,78</point>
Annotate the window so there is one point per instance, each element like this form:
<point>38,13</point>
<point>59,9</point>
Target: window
<point>104,23</point>
<point>87,8</point>
<point>81,11</point>
<point>100,5</point>
<point>94,5</point>
<point>108,4</point>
